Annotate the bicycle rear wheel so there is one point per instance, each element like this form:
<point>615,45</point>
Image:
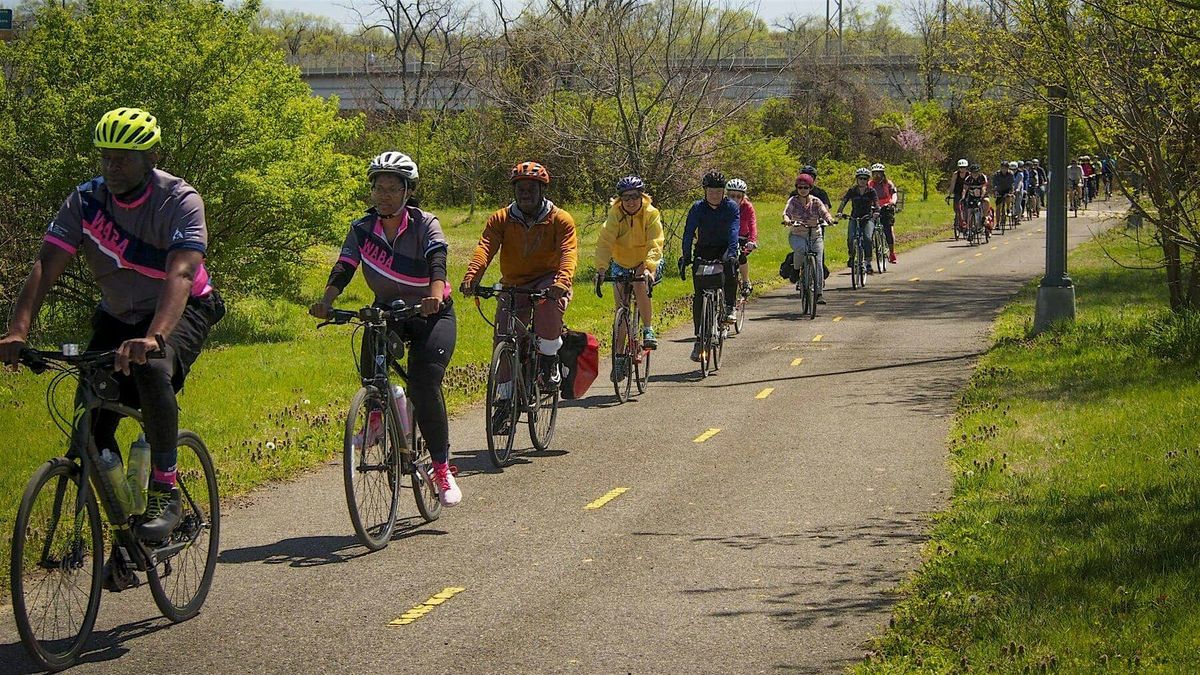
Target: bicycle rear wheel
<point>880,250</point>
<point>707,322</point>
<point>57,565</point>
<point>718,339</point>
<point>180,582</point>
<point>621,339</point>
<point>371,468</point>
<point>543,413</point>
<point>642,370</point>
<point>425,492</point>
<point>860,266</point>
<point>501,436</point>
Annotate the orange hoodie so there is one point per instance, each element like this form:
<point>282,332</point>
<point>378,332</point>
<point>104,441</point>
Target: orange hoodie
<point>549,246</point>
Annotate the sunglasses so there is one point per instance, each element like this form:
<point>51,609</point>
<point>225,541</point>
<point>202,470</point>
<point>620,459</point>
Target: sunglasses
<point>804,187</point>
<point>632,197</point>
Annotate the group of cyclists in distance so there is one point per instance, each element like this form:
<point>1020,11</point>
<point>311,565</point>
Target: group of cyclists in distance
<point>1020,186</point>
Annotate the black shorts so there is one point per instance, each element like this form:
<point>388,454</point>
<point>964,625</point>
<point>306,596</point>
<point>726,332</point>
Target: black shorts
<point>183,344</point>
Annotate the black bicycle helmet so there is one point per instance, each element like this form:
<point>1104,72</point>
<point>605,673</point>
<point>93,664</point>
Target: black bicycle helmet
<point>714,179</point>
<point>810,170</point>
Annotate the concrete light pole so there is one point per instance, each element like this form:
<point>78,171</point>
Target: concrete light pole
<point>1056,294</point>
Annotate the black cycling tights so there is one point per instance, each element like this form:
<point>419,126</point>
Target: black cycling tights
<point>431,343</point>
<point>730,286</point>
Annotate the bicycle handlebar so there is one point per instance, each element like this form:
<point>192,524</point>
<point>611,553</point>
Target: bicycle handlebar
<point>493,291</point>
<point>37,360</point>
<point>371,314</point>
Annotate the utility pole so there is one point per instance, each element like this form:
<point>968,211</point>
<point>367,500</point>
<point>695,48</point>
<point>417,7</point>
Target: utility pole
<point>833,35</point>
<point>1056,293</point>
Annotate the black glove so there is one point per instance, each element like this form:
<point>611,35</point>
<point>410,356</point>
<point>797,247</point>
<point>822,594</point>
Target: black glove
<point>683,265</point>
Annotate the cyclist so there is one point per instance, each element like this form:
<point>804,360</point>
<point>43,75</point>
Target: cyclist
<point>1043,180</point>
<point>1004,187</point>
<point>956,189</point>
<point>538,250</point>
<point>806,214</point>
<point>885,190</point>
<point>1107,169</point>
<point>402,250</point>
<point>713,223</point>
<point>1032,187</point>
<point>747,231</point>
<point>817,191</point>
<point>144,238</point>
<point>977,182</point>
<point>1089,177</point>
<point>864,202</point>
<point>631,242</point>
<point>1075,178</point>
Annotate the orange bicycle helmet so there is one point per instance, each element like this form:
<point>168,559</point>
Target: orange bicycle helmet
<point>531,171</point>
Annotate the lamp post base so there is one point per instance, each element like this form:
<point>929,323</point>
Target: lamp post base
<point>1054,304</point>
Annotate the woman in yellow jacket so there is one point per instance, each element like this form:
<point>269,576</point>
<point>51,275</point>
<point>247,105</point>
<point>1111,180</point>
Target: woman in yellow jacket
<point>631,243</point>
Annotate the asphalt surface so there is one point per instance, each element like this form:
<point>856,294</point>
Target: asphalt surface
<point>774,545</point>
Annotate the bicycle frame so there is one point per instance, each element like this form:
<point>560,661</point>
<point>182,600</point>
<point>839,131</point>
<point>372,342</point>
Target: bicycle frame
<point>521,336</point>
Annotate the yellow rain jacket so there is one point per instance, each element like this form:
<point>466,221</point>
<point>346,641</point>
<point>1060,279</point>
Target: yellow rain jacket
<point>631,240</point>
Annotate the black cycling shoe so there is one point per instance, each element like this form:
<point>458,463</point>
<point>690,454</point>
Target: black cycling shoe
<point>820,300</point>
<point>501,417</point>
<point>549,375</point>
<point>163,513</point>
<point>620,368</point>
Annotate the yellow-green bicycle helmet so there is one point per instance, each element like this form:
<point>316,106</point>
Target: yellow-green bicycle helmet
<point>127,129</point>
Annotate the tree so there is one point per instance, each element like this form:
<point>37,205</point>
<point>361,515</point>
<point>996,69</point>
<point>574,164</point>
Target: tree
<point>238,124</point>
<point>924,154</point>
<point>1120,63</point>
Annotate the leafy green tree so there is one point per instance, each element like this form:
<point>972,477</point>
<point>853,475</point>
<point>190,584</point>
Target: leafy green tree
<point>238,124</point>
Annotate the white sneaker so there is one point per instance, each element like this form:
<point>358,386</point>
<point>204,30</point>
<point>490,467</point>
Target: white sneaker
<point>447,486</point>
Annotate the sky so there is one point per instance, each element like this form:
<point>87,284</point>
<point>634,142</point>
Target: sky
<point>770,10</point>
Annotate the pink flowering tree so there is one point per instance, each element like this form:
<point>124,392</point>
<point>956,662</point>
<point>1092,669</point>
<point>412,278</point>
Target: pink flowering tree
<point>923,152</point>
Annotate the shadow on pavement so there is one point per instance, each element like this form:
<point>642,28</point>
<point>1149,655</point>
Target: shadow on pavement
<point>320,550</point>
<point>851,371</point>
<point>102,646</point>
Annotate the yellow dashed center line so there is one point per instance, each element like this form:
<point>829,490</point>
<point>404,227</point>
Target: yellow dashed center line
<point>837,319</point>
<point>426,607</point>
<point>797,361</point>
<point>941,269</point>
<point>961,261</point>
<point>818,338</point>
<point>978,254</point>
<point>887,290</point>
<point>706,435</point>
<point>995,247</point>
<point>860,303</point>
<point>764,393</point>
<point>915,279</point>
<point>608,497</point>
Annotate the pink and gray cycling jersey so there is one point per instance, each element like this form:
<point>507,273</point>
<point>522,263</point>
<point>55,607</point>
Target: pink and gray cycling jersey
<point>400,269</point>
<point>126,244</point>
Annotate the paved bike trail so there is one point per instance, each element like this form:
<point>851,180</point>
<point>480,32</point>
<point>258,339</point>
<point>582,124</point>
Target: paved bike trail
<point>773,544</point>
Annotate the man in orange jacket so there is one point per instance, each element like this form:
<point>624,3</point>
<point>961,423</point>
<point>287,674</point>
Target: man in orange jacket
<point>538,251</point>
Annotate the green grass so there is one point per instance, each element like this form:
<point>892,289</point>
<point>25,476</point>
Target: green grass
<point>269,376</point>
<point>1072,541</point>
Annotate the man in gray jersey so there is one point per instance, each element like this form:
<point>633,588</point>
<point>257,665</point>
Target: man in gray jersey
<point>144,238</point>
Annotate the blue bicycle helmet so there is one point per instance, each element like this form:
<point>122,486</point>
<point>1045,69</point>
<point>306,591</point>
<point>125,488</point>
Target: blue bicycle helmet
<point>630,183</point>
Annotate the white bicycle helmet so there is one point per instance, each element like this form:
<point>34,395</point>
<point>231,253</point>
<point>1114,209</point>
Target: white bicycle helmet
<point>877,167</point>
<point>735,185</point>
<point>962,164</point>
<point>862,172</point>
<point>1012,165</point>
<point>393,162</point>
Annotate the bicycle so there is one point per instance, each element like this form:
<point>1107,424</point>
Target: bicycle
<point>744,290</point>
<point>1074,200</point>
<point>858,248</point>
<point>1031,204</point>
<point>627,347</point>
<point>381,443</point>
<point>515,354</point>
<point>880,246</point>
<point>711,278</point>
<point>809,280</point>
<point>60,505</point>
<point>1002,213</point>
<point>973,213</point>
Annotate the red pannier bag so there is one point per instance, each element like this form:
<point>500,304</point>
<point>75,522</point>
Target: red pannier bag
<point>580,359</point>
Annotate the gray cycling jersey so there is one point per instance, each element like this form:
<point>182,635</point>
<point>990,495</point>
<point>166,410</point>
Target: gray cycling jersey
<point>126,244</point>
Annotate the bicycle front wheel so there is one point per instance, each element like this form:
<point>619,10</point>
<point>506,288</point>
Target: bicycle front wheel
<point>622,339</point>
<point>718,335</point>
<point>371,468</point>
<point>880,251</point>
<point>181,579</point>
<point>57,565</point>
<point>810,285</point>
<point>502,426</point>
